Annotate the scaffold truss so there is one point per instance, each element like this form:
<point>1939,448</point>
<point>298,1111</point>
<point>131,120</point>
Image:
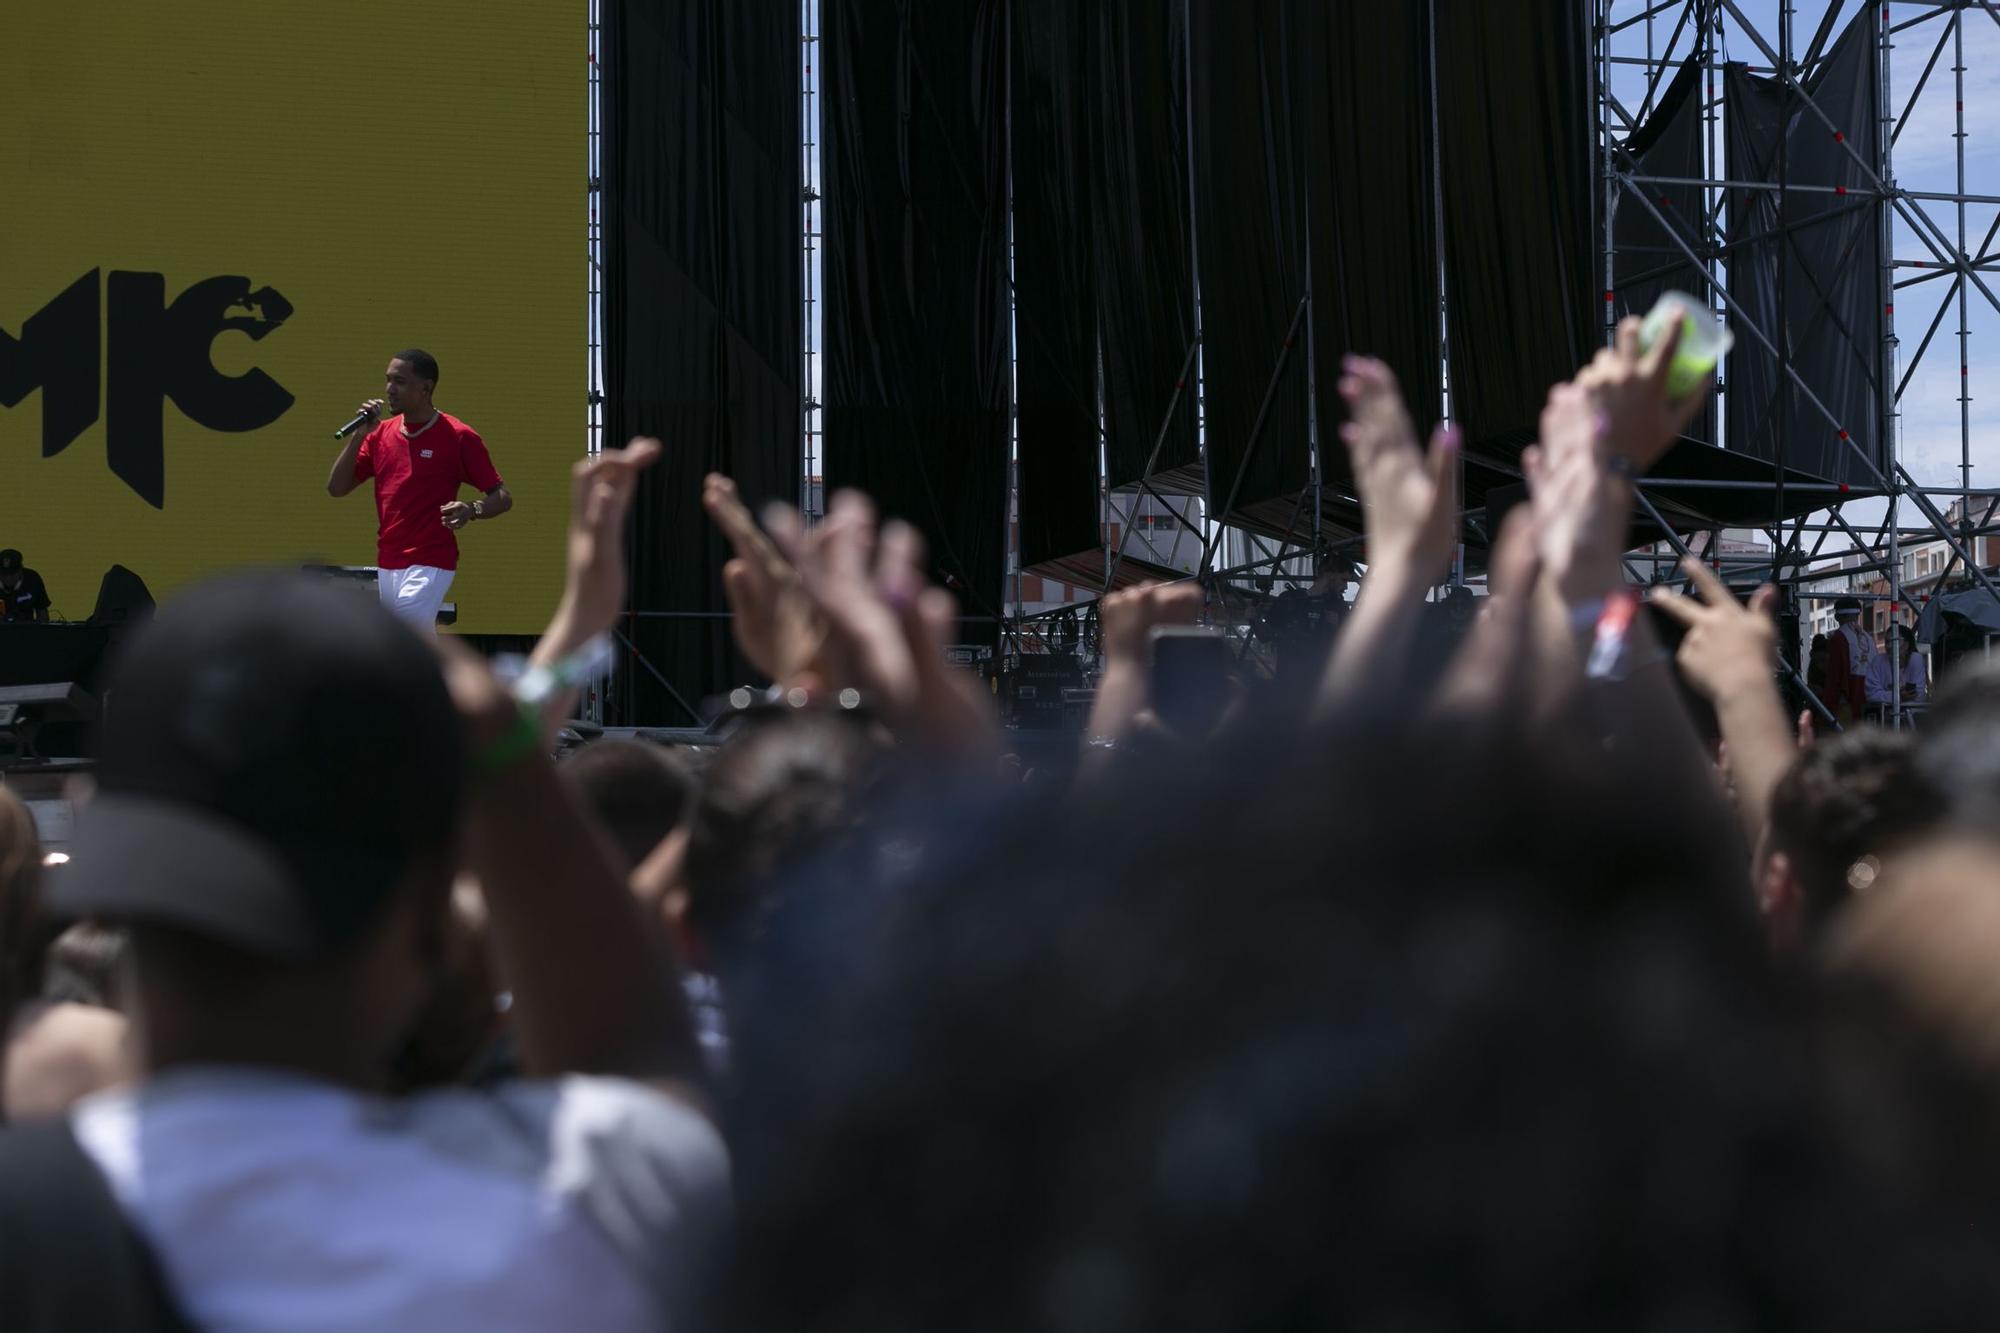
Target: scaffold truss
<point>1886,537</point>
<point>1860,548</point>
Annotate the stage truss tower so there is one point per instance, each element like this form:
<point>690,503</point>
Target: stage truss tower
<point>1853,546</point>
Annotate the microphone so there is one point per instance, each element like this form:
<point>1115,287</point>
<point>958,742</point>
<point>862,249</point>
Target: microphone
<point>359,420</point>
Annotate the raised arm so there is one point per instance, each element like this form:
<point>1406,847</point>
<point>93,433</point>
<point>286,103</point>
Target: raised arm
<point>1597,433</point>
<point>775,624</point>
<point>1127,618</point>
<point>1410,509</point>
<point>595,990</point>
<point>344,477</point>
<point>1727,655</point>
<point>887,628</point>
<point>601,491</point>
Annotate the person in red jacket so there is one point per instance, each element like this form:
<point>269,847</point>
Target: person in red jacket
<point>418,460</point>
<point>1844,687</point>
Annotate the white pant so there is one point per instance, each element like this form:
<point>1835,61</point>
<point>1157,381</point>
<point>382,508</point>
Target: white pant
<point>415,594</point>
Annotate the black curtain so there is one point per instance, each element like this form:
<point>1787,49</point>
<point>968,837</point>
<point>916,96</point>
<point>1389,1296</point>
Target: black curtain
<point>1652,246</point>
<point>701,307</point>
<point>1830,264</point>
<point>1139,215</point>
<point>1055,301</point>
<point>1374,233</point>
<point>1254,100</point>
<point>1521,269</point>
<point>916,388</point>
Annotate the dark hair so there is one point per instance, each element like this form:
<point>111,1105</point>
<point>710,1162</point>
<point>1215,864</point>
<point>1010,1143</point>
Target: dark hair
<point>422,363</point>
<point>1844,798</point>
<point>1959,748</point>
<point>83,966</point>
<point>784,785</point>
<point>1277,1042</point>
<point>640,792</point>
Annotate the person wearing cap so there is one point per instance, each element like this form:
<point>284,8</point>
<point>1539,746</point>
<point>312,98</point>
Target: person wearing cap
<point>1849,649</point>
<point>418,461</point>
<point>289,908</point>
<point>23,595</point>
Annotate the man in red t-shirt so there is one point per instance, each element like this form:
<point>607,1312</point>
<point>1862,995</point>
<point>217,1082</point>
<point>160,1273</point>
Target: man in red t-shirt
<point>418,459</point>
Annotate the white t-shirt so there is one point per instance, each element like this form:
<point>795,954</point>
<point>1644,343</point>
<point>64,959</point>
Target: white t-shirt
<point>1860,648</point>
<point>276,1201</point>
<point>1881,685</point>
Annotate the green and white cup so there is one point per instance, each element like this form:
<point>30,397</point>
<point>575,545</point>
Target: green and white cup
<point>1705,340</point>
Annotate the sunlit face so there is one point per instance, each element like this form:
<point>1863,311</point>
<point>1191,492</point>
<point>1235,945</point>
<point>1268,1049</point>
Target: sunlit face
<point>404,391</point>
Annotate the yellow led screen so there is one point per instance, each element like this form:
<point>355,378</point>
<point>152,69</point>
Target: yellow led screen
<point>219,220</point>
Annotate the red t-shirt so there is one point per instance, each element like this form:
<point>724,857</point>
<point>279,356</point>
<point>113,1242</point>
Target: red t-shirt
<point>416,477</point>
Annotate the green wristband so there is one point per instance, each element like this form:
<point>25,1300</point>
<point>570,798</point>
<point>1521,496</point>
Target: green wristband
<point>523,740</point>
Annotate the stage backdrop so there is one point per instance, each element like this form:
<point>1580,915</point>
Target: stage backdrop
<point>218,222</point>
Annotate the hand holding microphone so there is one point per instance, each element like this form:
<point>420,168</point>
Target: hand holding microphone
<point>370,413</point>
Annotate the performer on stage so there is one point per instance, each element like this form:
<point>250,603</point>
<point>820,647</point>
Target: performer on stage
<point>418,459</point>
<point>22,594</point>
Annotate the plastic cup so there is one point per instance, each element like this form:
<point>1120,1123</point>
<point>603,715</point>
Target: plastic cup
<point>1705,340</point>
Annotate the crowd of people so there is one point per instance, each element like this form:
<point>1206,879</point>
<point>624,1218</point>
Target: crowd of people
<point>1438,994</point>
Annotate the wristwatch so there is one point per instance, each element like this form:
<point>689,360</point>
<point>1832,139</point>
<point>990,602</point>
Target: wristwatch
<point>479,509</point>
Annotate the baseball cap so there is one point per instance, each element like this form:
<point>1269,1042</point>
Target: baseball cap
<point>275,750</point>
<point>10,559</point>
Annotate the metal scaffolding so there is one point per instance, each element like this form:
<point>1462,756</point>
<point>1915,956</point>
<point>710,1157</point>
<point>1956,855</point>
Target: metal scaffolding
<point>1636,45</point>
<point>1639,45</point>
<point>591,707</point>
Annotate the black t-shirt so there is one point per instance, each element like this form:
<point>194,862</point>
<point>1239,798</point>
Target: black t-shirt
<point>26,600</point>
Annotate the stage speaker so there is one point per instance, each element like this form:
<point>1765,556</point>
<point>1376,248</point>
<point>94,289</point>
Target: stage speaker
<point>122,599</point>
<point>1037,687</point>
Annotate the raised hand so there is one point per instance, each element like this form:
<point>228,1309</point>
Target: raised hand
<point>865,647</point>
<point>886,627</point>
<point>773,620</point>
<point>1127,619</point>
<point>1409,505</point>
<point>601,491</point>
<point>1581,504</point>
<point>1728,647</point>
<point>1409,501</point>
<point>1630,388</point>
<point>1727,655</point>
